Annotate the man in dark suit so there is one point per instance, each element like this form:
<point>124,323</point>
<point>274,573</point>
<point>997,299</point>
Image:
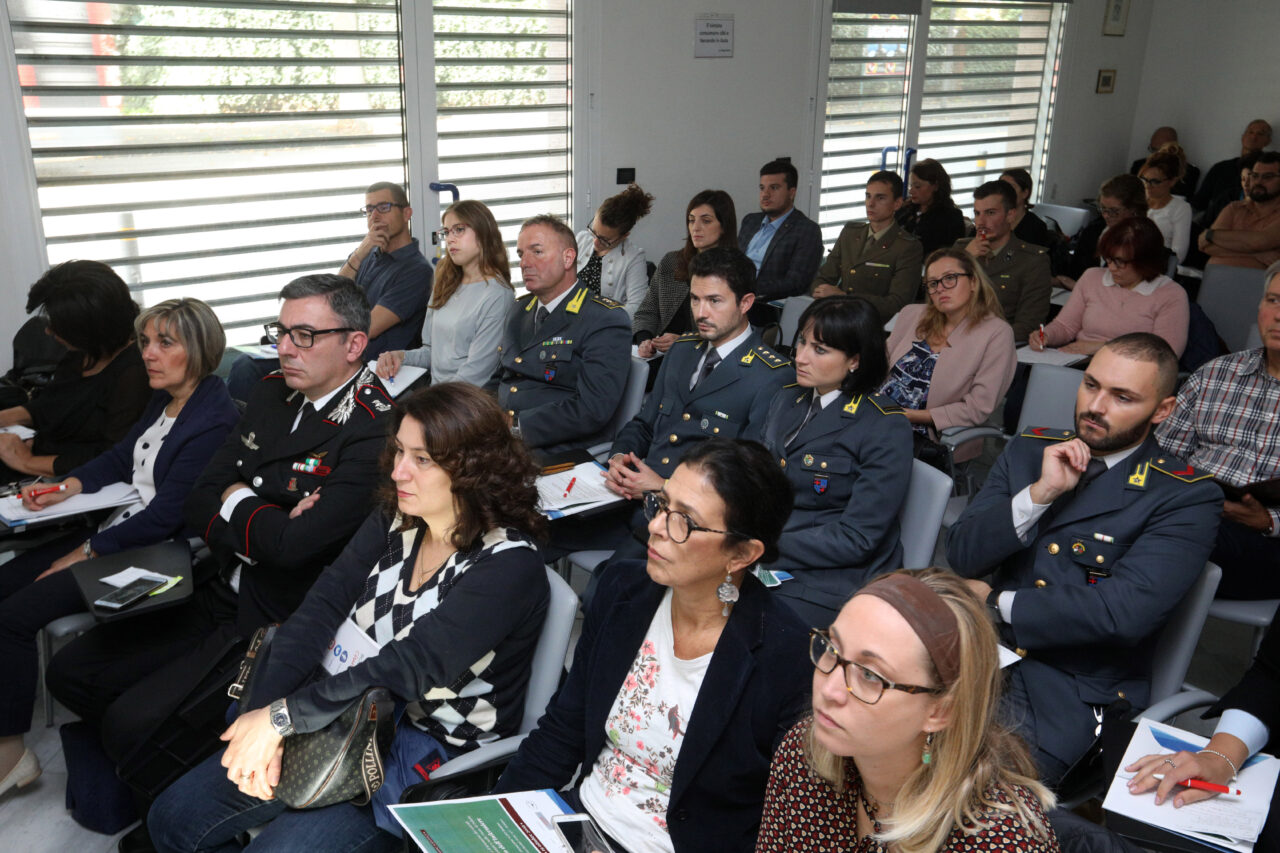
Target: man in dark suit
<point>276,504</point>
<point>1093,538</point>
<point>783,243</point>
<point>1223,177</point>
<point>876,259</point>
<point>567,352</point>
<point>1163,136</point>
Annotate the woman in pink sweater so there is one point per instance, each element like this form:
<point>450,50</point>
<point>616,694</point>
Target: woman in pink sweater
<point>1129,294</point>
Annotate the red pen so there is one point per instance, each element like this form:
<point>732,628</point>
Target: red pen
<point>569,489</point>
<point>61,487</point>
<point>1202,785</point>
<point>1042,335</point>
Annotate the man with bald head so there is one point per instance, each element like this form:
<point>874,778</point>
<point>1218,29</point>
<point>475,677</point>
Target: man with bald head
<point>1160,137</point>
<point>1224,176</point>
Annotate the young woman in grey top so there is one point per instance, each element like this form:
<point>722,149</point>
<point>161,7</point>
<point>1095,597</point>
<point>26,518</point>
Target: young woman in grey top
<point>469,307</point>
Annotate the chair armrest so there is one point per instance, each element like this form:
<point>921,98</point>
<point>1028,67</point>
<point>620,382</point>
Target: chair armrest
<point>488,755</point>
<point>953,437</point>
<point>600,452</point>
<point>1178,703</point>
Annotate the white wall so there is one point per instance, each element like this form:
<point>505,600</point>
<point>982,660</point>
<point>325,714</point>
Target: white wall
<point>689,124</point>
<point>1090,138</point>
<point>1210,69</point>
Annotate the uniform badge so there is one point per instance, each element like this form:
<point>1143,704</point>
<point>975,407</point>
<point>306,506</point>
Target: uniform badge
<point>1077,548</point>
<point>819,484</point>
<point>808,459</point>
<point>247,441</point>
<point>549,373</point>
<point>293,485</point>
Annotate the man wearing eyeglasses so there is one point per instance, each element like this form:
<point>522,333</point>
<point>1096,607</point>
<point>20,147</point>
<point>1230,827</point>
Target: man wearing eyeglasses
<point>1247,232</point>
<point>276,504</point>
<point>1224,176</point>
<point>1090,538</point>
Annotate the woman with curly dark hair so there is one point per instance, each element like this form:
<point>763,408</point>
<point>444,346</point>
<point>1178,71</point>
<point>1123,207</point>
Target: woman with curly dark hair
<point>443,588</point>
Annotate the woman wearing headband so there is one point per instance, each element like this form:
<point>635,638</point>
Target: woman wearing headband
<point>903,751</point>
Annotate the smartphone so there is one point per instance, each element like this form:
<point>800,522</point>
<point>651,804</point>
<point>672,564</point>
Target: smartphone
<point>581,834</point>
<point>129,593</point>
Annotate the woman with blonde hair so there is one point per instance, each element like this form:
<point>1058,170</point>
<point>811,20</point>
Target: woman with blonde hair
<point>470,302</point>
<point>1171,213</point>
<point>952,358</point>
<point>903,752</point>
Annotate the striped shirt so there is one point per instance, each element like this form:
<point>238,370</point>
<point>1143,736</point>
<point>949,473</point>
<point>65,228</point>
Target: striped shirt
<point>1227,421</point>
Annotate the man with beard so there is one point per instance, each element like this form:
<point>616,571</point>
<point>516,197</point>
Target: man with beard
<point>1092,539</point>
<point>1247,233</point>
<point>783,243</point>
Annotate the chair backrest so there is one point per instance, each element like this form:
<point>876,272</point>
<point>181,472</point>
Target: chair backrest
<point>921,518</point>
<point>1230,297</point>
<point>1181,634</point>
<point>1051,397</point>
<point>1254,340</point>
<point>1070,219</point>
<point>632,395</point>
<point>553,645</point>
<point>792,308</point>
<point>1171,265</point>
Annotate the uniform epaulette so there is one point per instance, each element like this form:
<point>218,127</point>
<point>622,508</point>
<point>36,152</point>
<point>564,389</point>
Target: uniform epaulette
<point>607,302</point>
<point>887,405</point>
<point>1048,433</point>
<point>766,355</point>
<point>792,385</point>
<point>1032,247</point>
<point>1179,470</point>
<point>692,336</point>
<point>278,373</point>
<point>374,398</point>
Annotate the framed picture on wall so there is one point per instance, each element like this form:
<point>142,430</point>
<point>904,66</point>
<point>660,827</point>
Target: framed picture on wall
<point>1106,81</point>
<point>1117,15</point>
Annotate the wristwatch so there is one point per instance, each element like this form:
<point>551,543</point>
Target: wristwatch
<point>1208,235</point>
<point>280,720</point>
<point>993,605</point>
<point>87,549</point>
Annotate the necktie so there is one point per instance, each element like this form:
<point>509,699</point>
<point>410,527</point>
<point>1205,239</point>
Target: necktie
<point>708,365</point>
<point>309,414</point>
<point>539,318</point>
<point>814,408</point>
<point>1095,469</point>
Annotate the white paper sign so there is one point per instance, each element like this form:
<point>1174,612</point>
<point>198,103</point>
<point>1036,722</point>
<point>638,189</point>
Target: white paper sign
<point>713,36</point>
<point>349,647</point>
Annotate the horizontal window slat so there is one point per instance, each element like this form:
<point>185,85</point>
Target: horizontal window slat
<point>243,172</point>
<point>74,28</point>
<point>211,61</point>
<point>204,118</point>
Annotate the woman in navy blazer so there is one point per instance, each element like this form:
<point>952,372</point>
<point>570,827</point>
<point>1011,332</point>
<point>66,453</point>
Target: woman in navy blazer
<point>848,462</point>
<point>187,419</point>
<point>699,784</point>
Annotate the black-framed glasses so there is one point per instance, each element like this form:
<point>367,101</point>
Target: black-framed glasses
<point>863,684</point>
<point>1265,176</point>
<point>604,241</point>
<point>945,282</point>
<point>1111,211</point>
<point>456,231</point>
<point>679,525</point>
<point>381,207</point>
<point>302,338</point>
<point>1118,263</point>
<point>1151,182</point>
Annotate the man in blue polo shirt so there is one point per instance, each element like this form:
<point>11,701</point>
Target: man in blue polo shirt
<point>389,267</point>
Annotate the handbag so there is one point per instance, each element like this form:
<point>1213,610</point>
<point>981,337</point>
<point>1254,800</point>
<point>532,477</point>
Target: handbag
<point>341,762</point>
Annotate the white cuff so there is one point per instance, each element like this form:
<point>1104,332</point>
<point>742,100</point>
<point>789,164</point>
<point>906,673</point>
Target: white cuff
<point>1005,602</point>
<point>1274,532</point>
<point>1026,513</point>
<point>1245,726</point>
<point>230,504</point>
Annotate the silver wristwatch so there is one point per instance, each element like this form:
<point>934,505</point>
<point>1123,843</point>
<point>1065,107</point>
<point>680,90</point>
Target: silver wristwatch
<point>280,720</point>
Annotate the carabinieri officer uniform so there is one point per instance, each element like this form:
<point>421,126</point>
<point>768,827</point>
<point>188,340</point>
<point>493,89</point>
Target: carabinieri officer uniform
<point>730,402</point>
<point>849,465</point>
<point>562,379</point>
<point>1096,579</point>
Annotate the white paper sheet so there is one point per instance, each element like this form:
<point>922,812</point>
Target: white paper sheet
<point>570,492</point>
<point>405,376</point>
<point>1049,355</point>
<point>12,512</point>
<point>124,577</point>
<point>22,432</point>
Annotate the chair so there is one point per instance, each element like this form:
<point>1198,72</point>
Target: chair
<point>1070,219</point>
<point>1256,614</point>
<point>64,626</point>
<point>544,680</point>
<point>920,521</point>
<point>1230,297</point>
<point>628,406</point>
<point>1254,340</point>
<point>792,308</point>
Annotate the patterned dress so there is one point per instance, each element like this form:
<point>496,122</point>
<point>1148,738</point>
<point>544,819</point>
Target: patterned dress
<point>803,813</point>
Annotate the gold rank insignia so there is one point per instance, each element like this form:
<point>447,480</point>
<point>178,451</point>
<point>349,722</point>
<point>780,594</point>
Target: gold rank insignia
<point>1139,476</point>
<point>606,302</point>
<point>768,356</point>
<point>1180,470</point>
<point>851,407</point>
<point>575,304</point>
<point>1048,433</point>
<point>886,405</point>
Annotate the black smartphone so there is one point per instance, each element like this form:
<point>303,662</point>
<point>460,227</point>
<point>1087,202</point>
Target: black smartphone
<point>130,593</point>
<point>581,834</point>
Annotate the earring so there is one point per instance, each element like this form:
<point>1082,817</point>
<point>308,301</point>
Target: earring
<point>927,755</point>
<point>727,593</point>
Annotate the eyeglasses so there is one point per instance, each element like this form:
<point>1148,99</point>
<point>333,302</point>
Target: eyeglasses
<point>604,241</point>
<point>302,338</point>
<point>1118,263</point>
<point>1151,182</point>
<point>863,684</point>
<point>381,207</point>
<point>1111,211</point>
<point>1267,176</point>
<point>946,282</point>
<point>456,231</point>
<point>679,525</point>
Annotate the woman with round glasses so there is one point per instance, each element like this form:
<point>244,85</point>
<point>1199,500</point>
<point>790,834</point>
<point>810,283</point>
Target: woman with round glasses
<point>846,452</point>
<point>608,262</point>
<point>685,676</point>
<point>1171,213</point>
<point>1119,198</point>
<point>470,303</point>
<point>952,358</point>
<point>1130,294</point>
<point>903,751</point>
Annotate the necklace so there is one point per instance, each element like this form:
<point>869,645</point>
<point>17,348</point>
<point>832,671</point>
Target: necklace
<point>872,811</point>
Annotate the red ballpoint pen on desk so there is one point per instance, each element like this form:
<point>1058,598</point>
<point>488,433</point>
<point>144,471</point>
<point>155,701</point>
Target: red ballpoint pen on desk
<point>1042,336</point>
<point>569,488</point>
<point>52,490</point>
<point>1202,785</point>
